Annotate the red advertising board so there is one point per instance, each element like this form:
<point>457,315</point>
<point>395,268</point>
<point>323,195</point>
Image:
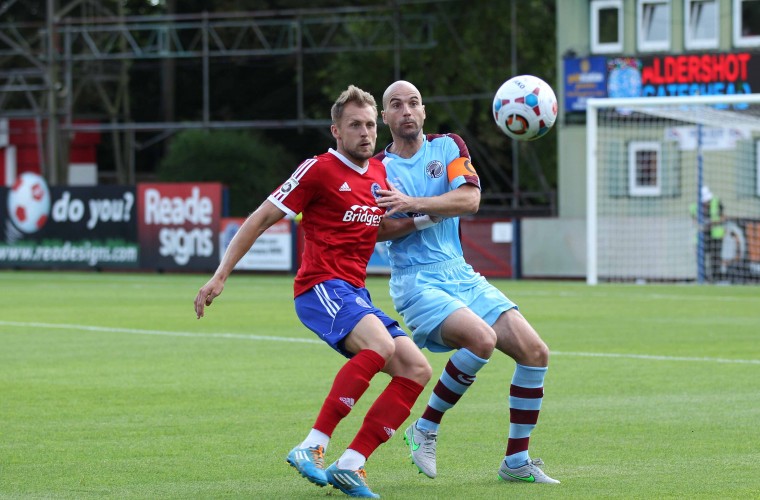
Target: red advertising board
<point>178,225</point>
<point>485,248</point>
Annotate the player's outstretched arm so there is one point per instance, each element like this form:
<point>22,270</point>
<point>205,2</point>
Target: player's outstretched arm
<point>256,223</point>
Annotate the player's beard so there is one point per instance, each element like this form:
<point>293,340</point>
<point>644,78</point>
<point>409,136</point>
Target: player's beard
<point>359,154</point>
<point>408,133</point>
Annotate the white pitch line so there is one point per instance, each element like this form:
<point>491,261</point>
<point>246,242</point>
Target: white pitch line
<point>242,336</point>
<point>655,357</point>
<point>135,331</point>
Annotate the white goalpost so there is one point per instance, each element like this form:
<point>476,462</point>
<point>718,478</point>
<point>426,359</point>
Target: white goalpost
<point>673,189</point>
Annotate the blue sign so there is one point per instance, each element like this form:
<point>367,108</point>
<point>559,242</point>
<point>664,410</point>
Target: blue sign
<point>585,77</point>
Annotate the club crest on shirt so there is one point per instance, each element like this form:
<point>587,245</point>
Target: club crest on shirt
<point>434,169</point>
<point>373,189</point>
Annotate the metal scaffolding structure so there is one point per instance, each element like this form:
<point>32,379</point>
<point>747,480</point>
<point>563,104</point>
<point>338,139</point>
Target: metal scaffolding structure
<point>84,50</point>
<point>50,67</point>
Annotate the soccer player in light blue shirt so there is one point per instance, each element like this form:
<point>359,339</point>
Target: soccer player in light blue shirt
<point>440,241</point>
<point>446,304</point>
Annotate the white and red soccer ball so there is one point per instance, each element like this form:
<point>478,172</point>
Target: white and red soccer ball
<point>525,107</point>
<point>29,203</point>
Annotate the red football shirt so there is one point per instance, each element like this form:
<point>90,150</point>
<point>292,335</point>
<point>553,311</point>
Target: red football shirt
<point>340,217</point>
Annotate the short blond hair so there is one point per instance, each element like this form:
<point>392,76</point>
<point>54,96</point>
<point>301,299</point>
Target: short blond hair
<point>352,94</point>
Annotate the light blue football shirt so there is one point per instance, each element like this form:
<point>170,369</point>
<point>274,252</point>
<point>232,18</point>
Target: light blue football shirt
<point>425,174</point>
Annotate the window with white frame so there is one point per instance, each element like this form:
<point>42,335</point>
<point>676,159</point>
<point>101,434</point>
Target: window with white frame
<point>644,168</point>
<point>701,24</point>
<point>653,25</point>
<point>606,26</point>
<point>746,18</point>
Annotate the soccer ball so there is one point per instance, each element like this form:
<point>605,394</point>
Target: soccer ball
<point>525,108</point>
<point>29,203</point>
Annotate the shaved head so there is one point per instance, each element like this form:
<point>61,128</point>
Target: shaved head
<point>399,87</point>
<point>404,114</point>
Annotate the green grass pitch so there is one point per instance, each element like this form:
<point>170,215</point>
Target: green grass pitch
<point>110,388</point>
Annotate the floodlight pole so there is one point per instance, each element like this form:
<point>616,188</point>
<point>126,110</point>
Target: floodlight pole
<point>206,72</point>
<point>54,172</point>
<point>516,240</point>
<point>396,42</point>
<point>515,143</point>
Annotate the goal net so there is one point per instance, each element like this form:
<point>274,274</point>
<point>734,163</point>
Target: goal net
<point>673,189</point>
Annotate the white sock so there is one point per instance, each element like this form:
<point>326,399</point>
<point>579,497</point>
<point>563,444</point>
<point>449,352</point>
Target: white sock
<point>351,460</point>
<point>316,438</point>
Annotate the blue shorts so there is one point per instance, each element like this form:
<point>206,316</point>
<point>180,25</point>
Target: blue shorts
<point>333,308</point>
<point>426,295</point>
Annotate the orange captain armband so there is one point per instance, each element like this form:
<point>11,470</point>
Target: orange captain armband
<point>463,166</point>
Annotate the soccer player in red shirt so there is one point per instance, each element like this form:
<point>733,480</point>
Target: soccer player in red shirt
<point>336,193</point>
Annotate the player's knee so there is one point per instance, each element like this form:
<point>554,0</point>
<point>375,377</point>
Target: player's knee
<point>482,343</point>
<point>422,371</point>
<point>411,365</point>
<point>537,354</point>
<point>384,347</point>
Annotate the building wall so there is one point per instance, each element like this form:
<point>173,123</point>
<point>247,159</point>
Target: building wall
<point>573,39</point>
<point>554,247</point>
<point>572,35</point>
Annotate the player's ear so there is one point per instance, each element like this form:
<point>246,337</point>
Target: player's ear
<point>334,131</point>
<point>382,114</point>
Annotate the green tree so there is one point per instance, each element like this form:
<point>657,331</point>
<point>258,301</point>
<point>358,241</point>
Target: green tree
<point>245,162</point>
<point>471,59</point>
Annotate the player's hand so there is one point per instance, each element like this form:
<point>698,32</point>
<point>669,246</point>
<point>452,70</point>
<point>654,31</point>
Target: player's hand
<point>207,294</point>
<point>394,201</point>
